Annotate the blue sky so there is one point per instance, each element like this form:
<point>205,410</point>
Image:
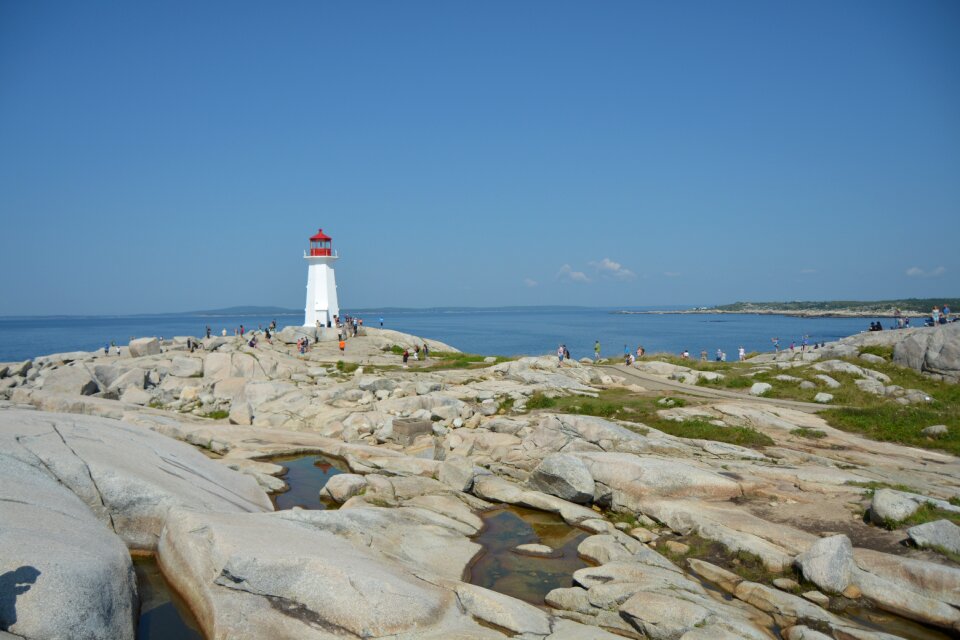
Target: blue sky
<point>174,156</point>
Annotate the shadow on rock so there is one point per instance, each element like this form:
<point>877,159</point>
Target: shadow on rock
<point>13,584</point>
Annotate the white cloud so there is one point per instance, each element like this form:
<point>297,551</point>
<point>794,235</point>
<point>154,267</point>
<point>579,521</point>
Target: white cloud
<point>917,272</point>
<point>672,274</point>
<point>608,267</point>
<point>530,282</point>
<point>567,274</point>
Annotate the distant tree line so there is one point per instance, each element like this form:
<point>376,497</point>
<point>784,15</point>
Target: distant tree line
<point>913,305</point>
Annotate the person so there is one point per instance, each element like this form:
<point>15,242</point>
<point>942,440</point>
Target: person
<point>596,351</point>
<point>267,335</point>
<point>742,353</point>
<point>106,349</point>
<point>791,346</point>
<point>776,344</point>
<point>343,346</point>
<point>566,353</point>
<point>223,332</point>
<point>703,355</point>
<point>208,331</point>
<point>253,341</point>
<point>685,355</point>
<point>318,324</point>
<point>906,323</point>
<point>426,351</point>
<point>560,356</point>
<point>723,356</point>
<point>381,323</point>
<point>626,358</point>
<point>935,314</point>
<point>945,314</point>
<point>806,340</point>
<point>242,330</point>
<point>719,354</point>
<point>639,351</point>
<point>406,356</point>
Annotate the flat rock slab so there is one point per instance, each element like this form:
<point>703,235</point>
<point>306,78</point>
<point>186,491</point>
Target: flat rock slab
<point>321,574</point>
<point>633,478</point>
<point>128,476</point>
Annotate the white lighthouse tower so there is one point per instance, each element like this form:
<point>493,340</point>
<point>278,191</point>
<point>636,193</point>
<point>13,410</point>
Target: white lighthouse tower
<point>321,283</point>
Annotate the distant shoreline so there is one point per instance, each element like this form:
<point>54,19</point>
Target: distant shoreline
<point>794,313</point>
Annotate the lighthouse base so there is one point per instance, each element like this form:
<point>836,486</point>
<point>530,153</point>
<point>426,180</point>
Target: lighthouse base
<point>322,307</point>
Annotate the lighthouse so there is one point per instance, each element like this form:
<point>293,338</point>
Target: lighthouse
<point>321,282</point>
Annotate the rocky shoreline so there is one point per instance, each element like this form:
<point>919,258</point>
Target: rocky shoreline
<point>168,450</point>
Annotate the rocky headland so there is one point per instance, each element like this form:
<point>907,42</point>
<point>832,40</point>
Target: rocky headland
<point>802,530</point>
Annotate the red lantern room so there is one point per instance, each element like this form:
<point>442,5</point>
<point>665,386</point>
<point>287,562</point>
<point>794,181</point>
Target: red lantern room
<point>320,244</point>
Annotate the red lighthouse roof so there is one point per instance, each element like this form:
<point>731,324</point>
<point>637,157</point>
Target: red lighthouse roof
<point>320,236</point>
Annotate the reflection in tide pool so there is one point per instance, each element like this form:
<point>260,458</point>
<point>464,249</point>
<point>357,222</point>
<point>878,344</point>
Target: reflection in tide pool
<point>163,615</point>
<point>525,577</point>
<point>306,476</point>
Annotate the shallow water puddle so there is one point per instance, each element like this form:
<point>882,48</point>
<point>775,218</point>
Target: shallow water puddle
<point>163,615</point>
<point>306,475</point>
<point>878,620</point>
<point>527,578</point>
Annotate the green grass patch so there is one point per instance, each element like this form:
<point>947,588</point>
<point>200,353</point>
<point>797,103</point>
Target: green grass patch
<point>878,350</point>
<point>440,360</point>
<point>806,432</point>
<point>347,367</point>
<point>506,405</point>
<point>219,414</point>
<point>668,402</point>
<point>540,401</point>
<point>928,513</point>
<point>620,404</point>
<point>702,430</point>
<point>892,422</point>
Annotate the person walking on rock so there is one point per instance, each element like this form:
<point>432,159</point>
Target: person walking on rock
<point>596,351</point>
<point>560,356</point>
<point>742,353</point>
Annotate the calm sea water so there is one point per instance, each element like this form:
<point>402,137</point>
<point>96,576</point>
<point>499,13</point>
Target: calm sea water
<point>487,331</point>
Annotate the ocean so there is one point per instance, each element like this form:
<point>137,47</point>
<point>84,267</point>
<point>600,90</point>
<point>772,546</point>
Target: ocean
<point>488,331</point>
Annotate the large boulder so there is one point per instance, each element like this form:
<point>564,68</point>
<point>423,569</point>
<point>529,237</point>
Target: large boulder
<point>140,347</point>
<point>128,476</point>
<point>564,476</point>
<point>935,350</point>
<point>939,535</point>
<point>74,380</point>
<point>828,563</point>
<point>63,574</point>
<point>290,335</point>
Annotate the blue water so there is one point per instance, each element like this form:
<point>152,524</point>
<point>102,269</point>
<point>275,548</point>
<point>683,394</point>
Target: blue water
<point>487,331</point>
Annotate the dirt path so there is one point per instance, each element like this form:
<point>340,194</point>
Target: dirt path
<point>657,383</point>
